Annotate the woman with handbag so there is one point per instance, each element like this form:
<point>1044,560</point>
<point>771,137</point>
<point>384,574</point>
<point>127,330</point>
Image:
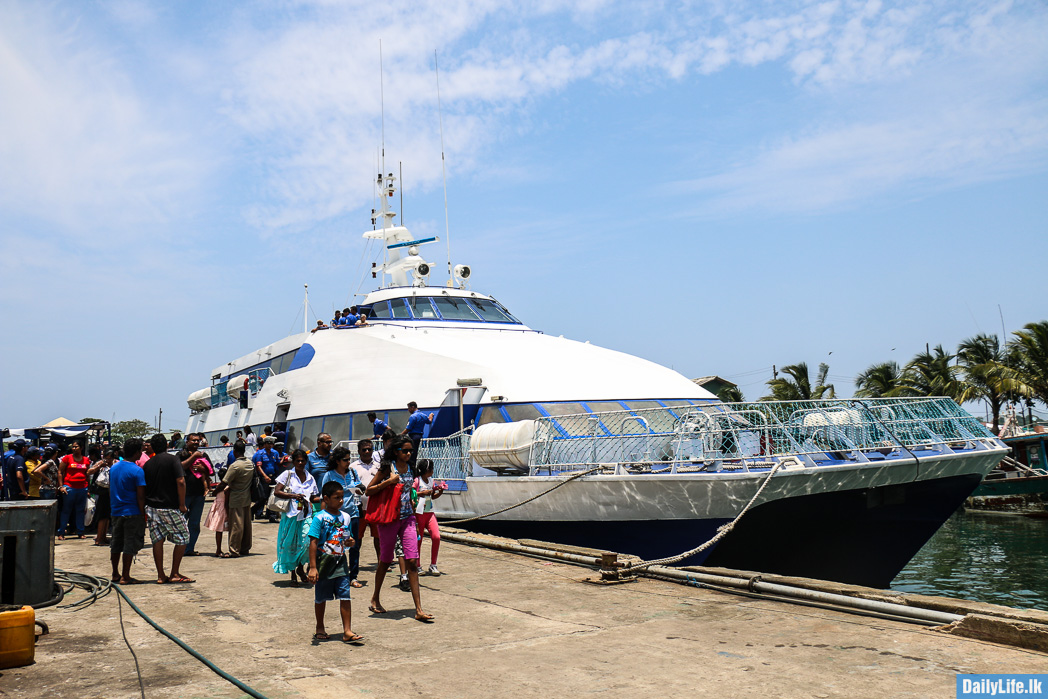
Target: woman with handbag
<point>391,505</point>
<point>98,480</point>
<point>293,496</point>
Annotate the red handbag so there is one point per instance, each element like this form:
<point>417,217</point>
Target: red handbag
<point>384,507</point>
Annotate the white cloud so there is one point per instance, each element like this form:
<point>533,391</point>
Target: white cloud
<point>311,89</point>
<point>78,144</point>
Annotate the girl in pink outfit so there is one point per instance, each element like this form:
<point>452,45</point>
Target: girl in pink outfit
<point>428,491</point>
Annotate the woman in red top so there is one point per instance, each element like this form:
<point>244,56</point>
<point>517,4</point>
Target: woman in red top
<point>72,472</point>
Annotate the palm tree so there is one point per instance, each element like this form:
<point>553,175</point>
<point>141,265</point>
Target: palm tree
<point>731,394</point>
<point>800,388</point>
<point>987,374</point>
<point>931,374</point>
<point>878,381</point>
<point>1030,351</point>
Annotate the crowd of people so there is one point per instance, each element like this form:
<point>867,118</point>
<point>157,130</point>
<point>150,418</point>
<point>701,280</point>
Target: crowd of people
<point>326,502</point>
<point>346,318</point>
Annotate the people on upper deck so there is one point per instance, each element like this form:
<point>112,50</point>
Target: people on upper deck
<point>320,326</point>
<point>337,320</point>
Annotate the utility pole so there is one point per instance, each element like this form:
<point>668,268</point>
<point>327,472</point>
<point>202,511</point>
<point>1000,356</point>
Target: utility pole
<point>160,421</point>
<point>774,372</point>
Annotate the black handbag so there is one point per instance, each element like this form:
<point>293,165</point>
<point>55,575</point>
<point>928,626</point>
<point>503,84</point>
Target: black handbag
<point>258,489</point>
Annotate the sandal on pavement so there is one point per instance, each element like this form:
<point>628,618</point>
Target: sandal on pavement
<point>355,638</point>
<point>321,637</point>
<point>180,579</point>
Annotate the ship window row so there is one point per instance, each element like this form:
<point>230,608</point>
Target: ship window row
<point>352,427</point>
<point>276,365</point>
<point>459,308</point>
<point>658,421</point>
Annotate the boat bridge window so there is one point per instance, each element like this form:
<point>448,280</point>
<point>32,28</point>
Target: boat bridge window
<point>421,307</point>
<point>462,308</point>
<point>451,308</point>
<point>490,311</point>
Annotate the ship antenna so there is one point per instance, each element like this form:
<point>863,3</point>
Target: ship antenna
<point>443,168</point>
<point>305,311</point>
<point>382,103</point>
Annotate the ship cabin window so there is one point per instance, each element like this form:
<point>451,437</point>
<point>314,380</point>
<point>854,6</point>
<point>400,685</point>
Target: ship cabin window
<point>605,406</point>
<point>379,311</point>
<point>422,308</point>
<point>557,409</point>
<point>454,309</point>
<point>400,310</point>
<point>362,428</point>
<point>310,429</point>
<point>522,411</point>
<point>398,420</point>
<point>490,414</point>
<point>338,427</point>
<point>490,312</point>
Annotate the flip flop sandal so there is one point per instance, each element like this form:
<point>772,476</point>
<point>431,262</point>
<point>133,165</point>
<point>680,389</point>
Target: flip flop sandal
<point>355,638</point>
<point>321,637</point>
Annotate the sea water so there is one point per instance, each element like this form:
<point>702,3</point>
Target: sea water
<point>988,557</point>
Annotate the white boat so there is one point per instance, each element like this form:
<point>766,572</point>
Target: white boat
<point>858,487</point>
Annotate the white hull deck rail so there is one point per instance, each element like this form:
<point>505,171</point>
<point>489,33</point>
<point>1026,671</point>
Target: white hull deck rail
<point>733,437</point>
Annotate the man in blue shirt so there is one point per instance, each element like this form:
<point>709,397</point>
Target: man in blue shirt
<point>416,427</point>
<point>319,458</point>
<point>127,495</point>
<point>16,477</point>
<point>267,461</point>
<point>377,425</point>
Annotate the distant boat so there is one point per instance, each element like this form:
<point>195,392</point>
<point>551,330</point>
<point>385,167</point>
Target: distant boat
<point>1017,485</point>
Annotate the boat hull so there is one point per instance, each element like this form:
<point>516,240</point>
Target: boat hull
<point>858,525</point>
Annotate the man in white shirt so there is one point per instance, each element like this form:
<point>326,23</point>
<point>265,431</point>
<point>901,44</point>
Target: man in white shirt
<point>366,466</point>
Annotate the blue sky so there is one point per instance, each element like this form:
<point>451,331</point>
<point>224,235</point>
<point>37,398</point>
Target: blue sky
<point>718,187</point>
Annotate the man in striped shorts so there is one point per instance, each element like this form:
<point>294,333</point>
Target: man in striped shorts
<point>166,508</point>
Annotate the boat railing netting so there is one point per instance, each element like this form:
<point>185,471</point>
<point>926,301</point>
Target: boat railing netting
<point>821,430</point>
<point>450,456</point>
<point>735,436</point>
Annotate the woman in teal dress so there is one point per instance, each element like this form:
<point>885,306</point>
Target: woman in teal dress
<point>297,485</point>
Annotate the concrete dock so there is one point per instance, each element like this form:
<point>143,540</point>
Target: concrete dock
<point>506,625</point>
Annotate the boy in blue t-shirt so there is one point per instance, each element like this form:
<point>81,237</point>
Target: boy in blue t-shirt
<point>330,534</point>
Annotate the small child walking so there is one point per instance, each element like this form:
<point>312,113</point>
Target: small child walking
<point>330,535</point>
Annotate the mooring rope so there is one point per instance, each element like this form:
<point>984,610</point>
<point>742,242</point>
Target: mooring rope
<point>722,531</point>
